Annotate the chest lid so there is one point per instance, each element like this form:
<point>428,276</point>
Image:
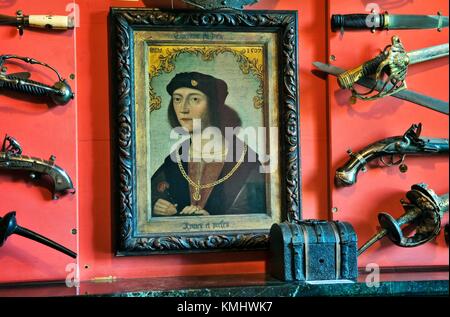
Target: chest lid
<point>319,232</point>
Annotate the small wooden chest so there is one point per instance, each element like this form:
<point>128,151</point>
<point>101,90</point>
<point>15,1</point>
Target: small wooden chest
<point>313,250</point>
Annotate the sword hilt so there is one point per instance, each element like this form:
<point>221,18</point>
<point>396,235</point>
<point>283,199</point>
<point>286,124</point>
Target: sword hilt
<point>9,226</point>
<point>60,92</point>
<point>349,78</point>
<point>390,68</point>
<point>391,227</point>
<point>424,209</point>
<point>25,86</point>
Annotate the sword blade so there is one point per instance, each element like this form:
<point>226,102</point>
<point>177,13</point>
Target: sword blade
<point>408,95</point>
<point>428,53</point>
<point>380,235</point>
<point>27,233</point>
<point>398,21</point>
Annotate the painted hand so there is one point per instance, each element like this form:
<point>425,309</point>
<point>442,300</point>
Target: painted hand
<point>164,208</point>
<point>194,211</point>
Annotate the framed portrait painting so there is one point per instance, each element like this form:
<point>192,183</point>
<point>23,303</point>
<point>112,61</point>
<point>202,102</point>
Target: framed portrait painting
<point>205,128</point>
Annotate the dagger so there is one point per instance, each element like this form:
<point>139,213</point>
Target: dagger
<point>406,94</point>
<point>21,21</point>
<point>386,21</point>
<point>9,226</point>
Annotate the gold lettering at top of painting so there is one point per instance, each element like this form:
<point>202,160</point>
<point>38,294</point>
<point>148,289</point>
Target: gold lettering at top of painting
<point>162,59</point>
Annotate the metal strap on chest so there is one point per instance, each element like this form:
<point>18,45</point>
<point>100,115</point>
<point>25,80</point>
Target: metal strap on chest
<point>296,259</point>
<point>306,239</point>
<point>338,250</point>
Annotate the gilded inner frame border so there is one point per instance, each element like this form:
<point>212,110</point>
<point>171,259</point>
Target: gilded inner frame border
<point>256,53</point>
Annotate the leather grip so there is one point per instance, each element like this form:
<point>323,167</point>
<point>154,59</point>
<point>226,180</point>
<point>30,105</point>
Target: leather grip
<point>27,86</point>
<point>347,79</point>
<point>356,21</point>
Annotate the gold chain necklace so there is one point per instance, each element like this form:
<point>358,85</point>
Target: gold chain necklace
<point>197,186</point>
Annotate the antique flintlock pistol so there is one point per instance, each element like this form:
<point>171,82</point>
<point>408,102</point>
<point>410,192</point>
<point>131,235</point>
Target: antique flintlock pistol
<point>423,210</point>
<point>11,158</point>
<point>409,143</point>
<point>9,226</point>
<point>60,92</point>
<point>21,21</point>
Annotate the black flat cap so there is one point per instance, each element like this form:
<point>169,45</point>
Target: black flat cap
<point>216,89</point>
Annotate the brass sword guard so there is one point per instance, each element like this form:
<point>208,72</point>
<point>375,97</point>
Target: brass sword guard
<point>389,67</point>
<point>423,210</point>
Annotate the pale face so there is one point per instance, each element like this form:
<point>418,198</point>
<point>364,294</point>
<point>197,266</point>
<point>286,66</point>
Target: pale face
<point>190,104</point>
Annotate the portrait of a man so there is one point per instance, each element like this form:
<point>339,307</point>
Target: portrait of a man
<point>205,129</point>
<point>216,175</point>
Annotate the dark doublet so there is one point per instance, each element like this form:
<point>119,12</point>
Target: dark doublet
<point>242,193</point>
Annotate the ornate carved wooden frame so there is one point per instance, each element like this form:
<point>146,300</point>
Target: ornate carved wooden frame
<point>123,22</point>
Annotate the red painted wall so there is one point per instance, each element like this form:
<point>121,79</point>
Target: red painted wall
<point>96,257</point>
<point>79,135</point>
<point>42,131</point>
<point>355,126</point>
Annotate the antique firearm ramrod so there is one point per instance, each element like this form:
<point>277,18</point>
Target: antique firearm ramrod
<point>21,21</point>
<point>11,158</point>
<point>60,92</point>
<point>9,226</point>
<point>409,144</point>
<point>386,21</point>
<point>423,211</point>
